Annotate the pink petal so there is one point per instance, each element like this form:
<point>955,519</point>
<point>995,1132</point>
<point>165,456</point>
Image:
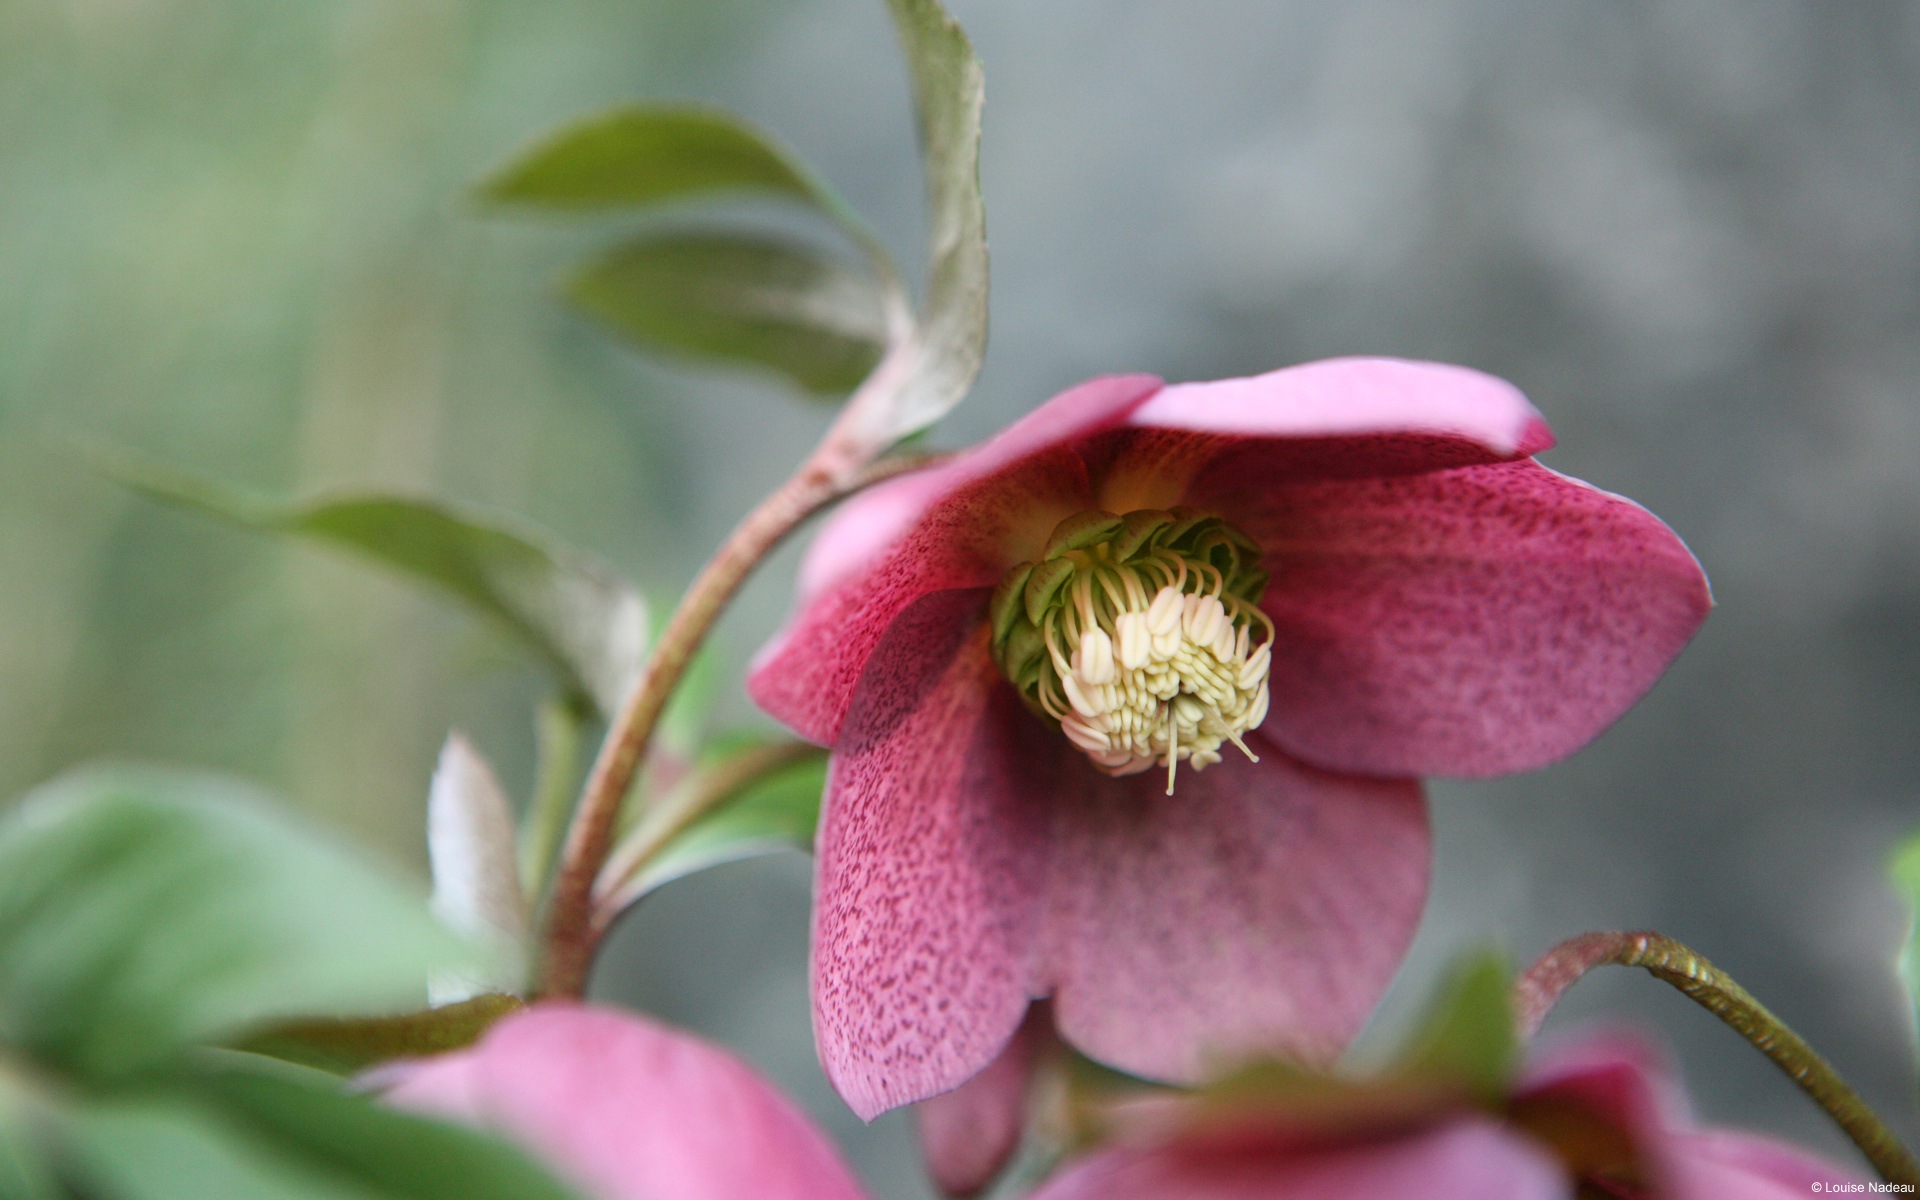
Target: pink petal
<point>869,522</point>
<point>1263,907</point>
<point>1428,404</point>
<point>930,856</point>
<point>960,525</point>
<point>1731,1166</point>
<point>1470,622</point>
<point>631,1110</point>
<point>968,1135</point>
<point>1471,1159</point>
<point>1616,1076</point>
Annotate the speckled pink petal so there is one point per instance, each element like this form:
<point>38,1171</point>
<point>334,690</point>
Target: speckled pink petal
<point>1471,622</point>
<point>630,1110</point>
<point>968,1135</point>
<point>1732,1166</point>
<point>956,526</point>
<point>869,522</point>
<point>1263,907</point>
<point>932,841</point>
<point>1350,400</point>
<point>1472,1159</point>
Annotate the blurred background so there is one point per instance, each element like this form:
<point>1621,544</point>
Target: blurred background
<point>234,236</point>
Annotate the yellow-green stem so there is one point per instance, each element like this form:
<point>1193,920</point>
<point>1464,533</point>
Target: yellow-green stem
<point>558,734</point>
<point>1540,988</point>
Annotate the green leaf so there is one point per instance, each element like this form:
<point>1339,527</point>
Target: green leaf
<point>949,91</point>
<point>1469,1036</point>
<point>641,155</point>
<point>141,911</point>
<point>776,811</point>
<point>166,1148</point>
<point>1905,872</point>
<point>348,1045</point>
<point>583,621</point>
<point>244,1135</point>
<point>24,1172</point>
<point>741,299</point>
<point>379,1151</point>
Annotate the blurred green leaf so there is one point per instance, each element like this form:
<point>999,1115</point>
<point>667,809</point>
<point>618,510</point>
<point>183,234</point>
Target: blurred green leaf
<point>778,810</point>
<point>167,1148</point>
<point>949,91</point>
<point>241,1135</point>
<point>348,1045</point>
<point>640,155</point>
<point>1469,1036</point>
<point>24,1172</point>
<point>582,620</point>
<point>141,911</point>
<point>1905,872</point>
<point>379,1151</point>
<point>741,299</point>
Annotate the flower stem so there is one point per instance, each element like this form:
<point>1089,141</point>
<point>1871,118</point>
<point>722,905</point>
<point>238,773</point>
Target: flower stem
<point>557,764</point>
<point>1536,992</point>
<point>571,936</point>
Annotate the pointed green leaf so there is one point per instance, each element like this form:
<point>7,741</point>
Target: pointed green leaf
<point>348,1045</point>
<point>949,91</point>
<point>377,1150</point>
<point>641,155</point>
<point>1905,872</point>
<point>141,911</point>
<point>741,299</point>
<point>583,621</point>
<point>1469,1036</point>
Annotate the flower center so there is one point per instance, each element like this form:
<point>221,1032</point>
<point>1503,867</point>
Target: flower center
<point>1141,635</point>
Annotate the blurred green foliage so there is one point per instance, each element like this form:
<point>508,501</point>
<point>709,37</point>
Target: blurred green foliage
<point>238,241</point>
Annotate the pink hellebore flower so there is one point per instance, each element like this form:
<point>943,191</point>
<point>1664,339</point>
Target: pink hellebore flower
<point>1127,707</point>
<point>1598,1122</point>
<point>627,1109</point>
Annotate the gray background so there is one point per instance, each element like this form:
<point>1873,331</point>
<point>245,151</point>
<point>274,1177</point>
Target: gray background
<point>234,235</point>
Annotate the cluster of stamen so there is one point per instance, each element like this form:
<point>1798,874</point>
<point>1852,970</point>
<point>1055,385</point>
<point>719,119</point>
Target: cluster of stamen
<point>1142,636</point>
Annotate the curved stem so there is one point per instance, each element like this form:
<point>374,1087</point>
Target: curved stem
<point>570,933</point>
<point>1536,992</point>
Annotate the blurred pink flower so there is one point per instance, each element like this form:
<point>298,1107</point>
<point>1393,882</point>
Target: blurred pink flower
<point>628,1109</point>
<point>1599,1121</point>
<point>1002,649</point>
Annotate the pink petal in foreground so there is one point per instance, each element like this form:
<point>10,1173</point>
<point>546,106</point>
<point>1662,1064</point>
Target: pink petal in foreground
<point>931,847</point>
<point>1471,622</point>
<point>1262,908</point>
<point>968,1135</point>
<point>630,1110</point>
<point>1733,1166</point>
<point>1469,1160</point>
